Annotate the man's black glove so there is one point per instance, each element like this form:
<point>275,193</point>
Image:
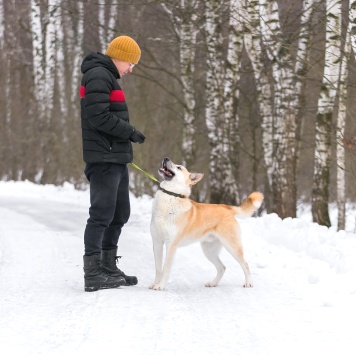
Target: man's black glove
<point>137,136</point>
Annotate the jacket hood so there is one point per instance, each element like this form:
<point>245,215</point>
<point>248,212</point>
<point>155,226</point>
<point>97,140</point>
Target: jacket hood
<point>94,60</point>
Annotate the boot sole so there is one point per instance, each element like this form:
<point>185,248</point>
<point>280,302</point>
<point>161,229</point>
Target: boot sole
<point>102,287</point>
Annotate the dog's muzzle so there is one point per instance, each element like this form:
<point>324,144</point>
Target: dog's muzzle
<point>165,170</point>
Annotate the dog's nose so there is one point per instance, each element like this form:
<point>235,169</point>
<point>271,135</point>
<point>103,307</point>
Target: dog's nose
<point>166,160</point>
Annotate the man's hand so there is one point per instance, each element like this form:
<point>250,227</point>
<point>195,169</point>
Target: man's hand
<point>137,136</point>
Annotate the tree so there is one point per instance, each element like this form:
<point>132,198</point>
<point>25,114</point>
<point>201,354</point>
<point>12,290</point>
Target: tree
<point>281,158</point>
<point>341,124</point>
<point>184,19</point>
<point>326,103</point>
<point>231,91</point>
<point>223,187</point>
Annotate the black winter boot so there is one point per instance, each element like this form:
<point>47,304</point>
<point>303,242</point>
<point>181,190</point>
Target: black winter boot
<point>95,277</point>
<point>108,263</point>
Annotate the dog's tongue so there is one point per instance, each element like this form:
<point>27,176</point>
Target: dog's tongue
<point>165,171</point>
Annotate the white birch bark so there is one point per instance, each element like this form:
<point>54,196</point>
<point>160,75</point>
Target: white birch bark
<point>38,53</point>
<point>60,69</point>
<point>352,24</point>
<point>186,30</point>
<point>340,132</point>
<point>2,25</point>
<point>77,53</point>
<point>280,112</point>
<point>187,55</point>
<point>303,44</point>
<point>285,112</point>
<point>252,41</point>
<point>107,20</point>
<point>326,104</point>
<point>6,60</point>
<point>214,101</point>
<point>50,53</point>
<point>270,32</point>
<point>231,95</point>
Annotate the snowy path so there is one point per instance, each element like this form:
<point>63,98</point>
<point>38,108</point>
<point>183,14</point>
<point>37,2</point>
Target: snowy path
<point>303,302</point>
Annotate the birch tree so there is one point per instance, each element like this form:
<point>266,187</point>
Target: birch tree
<point>341,124</point>
<point>60,67</point>
<point>223,186</point>
<point>231,91</point>
<point>253,45</point>
<point>2,25</point>
<point>107,20</point>
<point>340,135</point>
<point>77,37</point>
<point>183,15</point>
<point>352,25</point>
<point>322,155</point>
<point>51,18</point>
<point>38,57</point>
<point>287,85</point>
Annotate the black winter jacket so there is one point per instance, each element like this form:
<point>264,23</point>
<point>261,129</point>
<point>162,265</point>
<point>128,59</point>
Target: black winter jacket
<point>104,114</point>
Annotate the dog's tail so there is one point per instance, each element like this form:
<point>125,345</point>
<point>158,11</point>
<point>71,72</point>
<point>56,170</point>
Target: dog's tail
<point>250,205</point>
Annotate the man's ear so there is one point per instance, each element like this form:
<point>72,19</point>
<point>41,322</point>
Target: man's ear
<point>195,178</point>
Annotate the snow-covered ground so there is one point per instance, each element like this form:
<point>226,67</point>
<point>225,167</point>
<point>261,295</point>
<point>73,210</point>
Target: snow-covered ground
<point>303,300</point>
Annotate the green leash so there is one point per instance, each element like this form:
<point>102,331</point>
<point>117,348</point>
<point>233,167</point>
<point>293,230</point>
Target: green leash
<point>145,172</point>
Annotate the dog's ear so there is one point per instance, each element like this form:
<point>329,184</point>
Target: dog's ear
<point>195,177</point>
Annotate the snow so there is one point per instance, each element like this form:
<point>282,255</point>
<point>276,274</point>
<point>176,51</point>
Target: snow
<point>303,300</point>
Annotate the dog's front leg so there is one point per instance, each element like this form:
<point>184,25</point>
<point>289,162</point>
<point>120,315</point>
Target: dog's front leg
<point>158,255</point>
<point>171,252</point>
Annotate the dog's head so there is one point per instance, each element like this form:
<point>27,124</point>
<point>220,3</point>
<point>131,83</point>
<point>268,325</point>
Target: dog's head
<point>177,176</point>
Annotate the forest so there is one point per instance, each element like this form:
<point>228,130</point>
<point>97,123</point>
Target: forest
<point>256,94</point>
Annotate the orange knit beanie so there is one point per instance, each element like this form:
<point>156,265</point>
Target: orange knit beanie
<point>124,48</point>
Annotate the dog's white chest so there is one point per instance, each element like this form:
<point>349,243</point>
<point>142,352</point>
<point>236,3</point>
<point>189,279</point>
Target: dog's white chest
<point>166,210</point>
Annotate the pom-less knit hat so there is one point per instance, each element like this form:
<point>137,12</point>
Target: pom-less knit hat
<point>124,48</point>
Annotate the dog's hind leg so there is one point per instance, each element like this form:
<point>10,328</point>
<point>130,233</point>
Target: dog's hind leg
<point>211,251</point>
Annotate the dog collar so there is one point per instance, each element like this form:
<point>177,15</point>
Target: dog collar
<point>172,193</point>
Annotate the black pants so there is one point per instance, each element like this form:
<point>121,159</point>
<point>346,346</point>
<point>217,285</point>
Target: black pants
<point>109,206</point>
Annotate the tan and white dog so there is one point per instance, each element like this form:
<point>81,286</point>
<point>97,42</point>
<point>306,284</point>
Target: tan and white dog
<point>178,221</point>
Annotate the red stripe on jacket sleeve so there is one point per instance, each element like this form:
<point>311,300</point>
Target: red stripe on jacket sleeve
<point>117,96</point>
<point>82,92</point>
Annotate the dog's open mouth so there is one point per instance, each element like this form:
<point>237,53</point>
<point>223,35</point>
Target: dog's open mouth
<point>168,174</point>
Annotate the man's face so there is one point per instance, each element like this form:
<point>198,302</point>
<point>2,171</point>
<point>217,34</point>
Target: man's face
<point>123,67</point>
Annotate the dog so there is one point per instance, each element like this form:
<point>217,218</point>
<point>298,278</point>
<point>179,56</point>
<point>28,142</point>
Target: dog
<point>177,221</point>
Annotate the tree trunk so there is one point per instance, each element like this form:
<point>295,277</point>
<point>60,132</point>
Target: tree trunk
<point>187,55</point>
<point>352,25</point>
<point>322,156</point>
<point>340,133</point>
<point>252,41</point>
<point>107,16</point>
<point>183,17</point>
<point>231,93</point>
<point>223,188</point>
<point>285,101</point>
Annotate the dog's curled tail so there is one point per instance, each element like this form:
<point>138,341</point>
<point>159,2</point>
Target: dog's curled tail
<point>249,205</point>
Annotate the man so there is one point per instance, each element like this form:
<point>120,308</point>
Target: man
<point>107,136</point>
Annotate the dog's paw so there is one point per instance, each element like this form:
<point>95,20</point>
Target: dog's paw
<point>158,287</point>
<point>248,285</point>
<point>210,284</point>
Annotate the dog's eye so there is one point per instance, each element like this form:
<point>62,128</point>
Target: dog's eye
<point>179,168</point>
